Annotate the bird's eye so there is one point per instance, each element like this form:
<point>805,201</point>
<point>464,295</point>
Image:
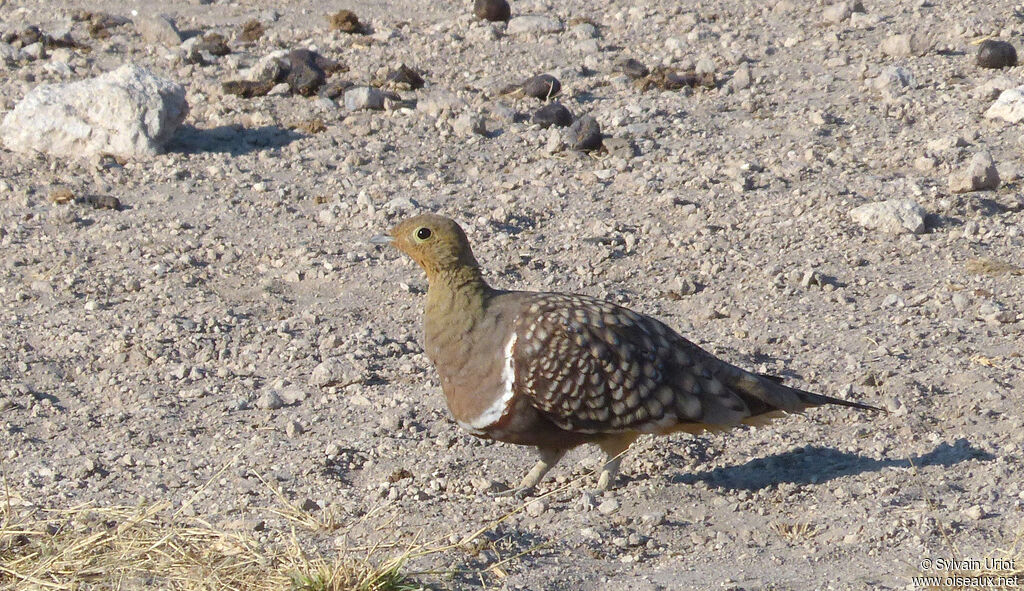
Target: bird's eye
<point>423,233</point>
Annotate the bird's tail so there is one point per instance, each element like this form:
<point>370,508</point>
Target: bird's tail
<point>764,394</point>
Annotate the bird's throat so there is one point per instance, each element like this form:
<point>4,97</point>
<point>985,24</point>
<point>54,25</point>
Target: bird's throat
<point>456,300</point>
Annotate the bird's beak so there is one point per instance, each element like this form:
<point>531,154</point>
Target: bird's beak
<point>382,239</point>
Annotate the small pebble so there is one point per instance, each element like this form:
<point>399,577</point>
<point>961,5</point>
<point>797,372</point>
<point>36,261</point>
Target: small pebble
<point>553,114</point>
<point>634,68</point>
<point>542,86</point>
<point>536,508</point>
<point>608,507</point>
<point>269,400</point>
<point>492,10</point>
<point>584,134</point>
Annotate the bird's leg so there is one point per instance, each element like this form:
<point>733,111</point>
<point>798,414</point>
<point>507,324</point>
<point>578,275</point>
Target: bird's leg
<point>548,458</point>
<point>614,447</point>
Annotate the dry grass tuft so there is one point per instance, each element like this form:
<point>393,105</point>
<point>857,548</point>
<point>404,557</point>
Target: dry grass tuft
<point>149,546</point>
<point>986,266</point>
<point>795,532</point>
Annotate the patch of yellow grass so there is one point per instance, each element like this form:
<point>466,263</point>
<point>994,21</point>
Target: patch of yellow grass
<point>149,546</point>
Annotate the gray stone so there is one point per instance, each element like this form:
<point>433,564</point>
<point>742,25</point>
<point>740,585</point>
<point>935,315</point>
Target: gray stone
<point>129,113</point>
<point>895,216</point>
<point>585,31</point>
<point>469,124</point>
<point>836,13</point>
<point>895,79</point>
<point>905,45</point>
<point>533,24</point>
<point>335,371</point>
<point>1009,106</point>
<point>363,98</point>
<point>608,507</point>
<point>584,134</point>
<point>981,174</point>
<point>741,79</point>
<point>269,400</point>
<point>158,28</point>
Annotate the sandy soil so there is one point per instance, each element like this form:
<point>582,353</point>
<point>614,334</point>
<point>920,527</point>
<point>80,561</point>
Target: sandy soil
<point>142,351</point>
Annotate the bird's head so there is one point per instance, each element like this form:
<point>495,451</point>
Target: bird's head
<point>436,243</point>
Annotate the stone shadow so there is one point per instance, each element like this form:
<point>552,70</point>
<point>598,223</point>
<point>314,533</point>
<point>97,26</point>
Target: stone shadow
<point>814,464</point>
<point>232,139</point>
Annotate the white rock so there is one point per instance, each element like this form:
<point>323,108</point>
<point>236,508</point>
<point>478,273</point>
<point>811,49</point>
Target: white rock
<point>584,31</point>
<point>905,45</point>
<point>439,101</point>
<point>268,67</point>
<point>991,89</point>
<point>269,400</point>
<point>128,113</point>
<point>1009,106</point>
<point>536,508</point>
<point>533,24</point>
<point>158,28</point>
<point>334,371</point>
<point>469,124</point>
<point>895,78</point>
<point>895,216</point>
<point>364,97</point>
<point>741,79</point>
<point>981,174</point>
<point>836,13</point>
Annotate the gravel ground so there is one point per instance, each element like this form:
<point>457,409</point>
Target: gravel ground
<point>232,328</point>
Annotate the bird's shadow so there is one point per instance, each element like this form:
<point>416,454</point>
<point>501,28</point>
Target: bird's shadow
<point>814,464</point>
<point>231,139</point>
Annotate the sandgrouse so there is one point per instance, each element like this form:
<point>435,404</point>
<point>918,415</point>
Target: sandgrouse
<point>556,371</point>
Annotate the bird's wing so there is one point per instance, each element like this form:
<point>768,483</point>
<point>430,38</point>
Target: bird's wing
<point>592,366</point>
<point>595,367</point>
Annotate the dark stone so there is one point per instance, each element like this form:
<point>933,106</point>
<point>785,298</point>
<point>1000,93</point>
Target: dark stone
<point>634,69</point>
<point>584,134</point>
<point>492,10</point>
<point>405,77</point>
<point>553,114</point>
<point>104,202</point>
<point>247,88</point>
<point>542,86</point>
<point>335,88</point>
<point>305,72</point>
<point>996,54</point>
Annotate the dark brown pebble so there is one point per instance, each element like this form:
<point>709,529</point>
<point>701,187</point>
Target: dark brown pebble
<point>996,54</point>
<point>492,10</point>
<point>584,134</point>
<point>307,71</point>
<point>213,43</point>
<point>405,77</point>
<point>634,68</point>
<point>553,113</point>
<point>103,202</point>
<point>335,88</point>
<point>542,86</point>
<point>247,88</point>
<point>345,21</point>
<point>251,31</point>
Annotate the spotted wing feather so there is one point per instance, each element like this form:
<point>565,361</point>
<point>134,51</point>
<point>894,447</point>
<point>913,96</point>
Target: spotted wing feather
<point>593,366</point>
